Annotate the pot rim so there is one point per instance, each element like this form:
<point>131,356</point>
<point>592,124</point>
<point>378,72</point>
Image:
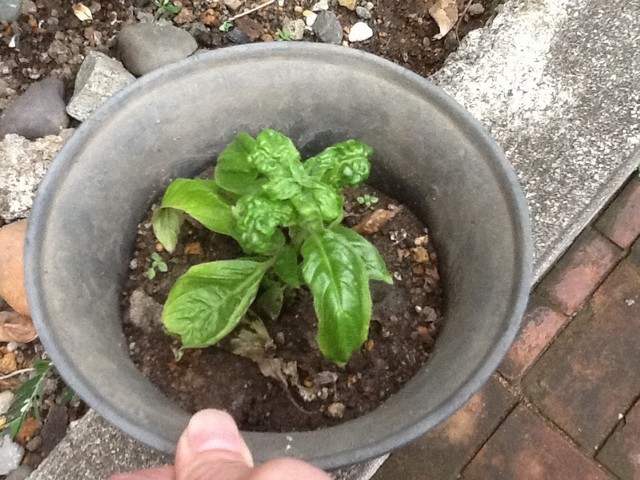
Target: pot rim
<point>325,53</point>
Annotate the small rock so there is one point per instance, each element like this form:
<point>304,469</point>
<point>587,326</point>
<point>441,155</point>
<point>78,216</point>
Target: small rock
<point>8,363</point>
<point>54,429</point>
<point>38,112</point>
<point>12,267</point>
<point>369,6</point>
<point>28,7</point>
<point>184,16</point>
<point>350,4</point>
<point>9,10</point>
<point>360,32</point>
<point>99,78</point>
<point>250,27</point>
<point>363,13</point>
<point>336,410</point>
<point>298,9</point>
<point>295,28</point>
<point>210,17</point>
<point>16,328</point>
<point>23,163</point>
<point>475,9</point>
<point>320,6</point>
<point>20,473</point>
<point>10,455</point>
<point>6,399</point>
<point>28,430</point>
<point>144,311</point>
<point>232,4</point>
<point>238,36</point>
<point>310,19</point>
<point>328,28</point>
<point>34,444</point>
<point>266,37</point>
<point>144,47</point>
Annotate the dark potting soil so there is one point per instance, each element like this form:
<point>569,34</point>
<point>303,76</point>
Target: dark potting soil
<point>406,319</point>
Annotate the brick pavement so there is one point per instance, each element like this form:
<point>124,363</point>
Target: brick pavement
<point>565,403</point>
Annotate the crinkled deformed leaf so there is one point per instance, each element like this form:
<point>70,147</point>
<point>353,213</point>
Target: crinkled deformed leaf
<point>201,199</point>
<point>376,268</point>
<point>258,219</point>
<point>234,173</point>
<point>208,301</point>
<point>275,156</point>
<point>345,163</point>
<point>337,277</point>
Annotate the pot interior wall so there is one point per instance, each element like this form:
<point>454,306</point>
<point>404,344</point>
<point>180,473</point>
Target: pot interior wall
<point>428,154</point>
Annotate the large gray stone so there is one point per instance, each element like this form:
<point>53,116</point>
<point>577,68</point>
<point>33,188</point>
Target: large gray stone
<point>23,163</point>
<point>38,112</point>
<point>99,78</point>
<point>556,83</point>
<point>327,27</point>
<point>94,449</point>
<point>9,10</point>
<point>143,47</point>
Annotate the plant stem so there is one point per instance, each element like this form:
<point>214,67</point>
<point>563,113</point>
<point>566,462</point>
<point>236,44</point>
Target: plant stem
<point>17,372</point>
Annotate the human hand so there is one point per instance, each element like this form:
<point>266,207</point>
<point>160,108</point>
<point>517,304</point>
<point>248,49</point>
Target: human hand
<point>211,448</point>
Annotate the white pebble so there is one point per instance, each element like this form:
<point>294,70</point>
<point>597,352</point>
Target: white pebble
<point>10,455</point>
<point>360,32</point>
<point>319,6</point>
<point>133,264</point>
<point>6,399</point>
<point>12,346</point>
<point>311,19</point>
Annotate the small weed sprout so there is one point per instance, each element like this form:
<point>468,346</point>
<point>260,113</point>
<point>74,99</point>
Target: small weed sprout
<point>368,200</point>
<point>164,7</point>
<point>282,36</point>
<point>226,26</point>
<point>157,264</point>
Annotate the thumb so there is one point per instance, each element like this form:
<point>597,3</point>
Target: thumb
<point>212,447</point>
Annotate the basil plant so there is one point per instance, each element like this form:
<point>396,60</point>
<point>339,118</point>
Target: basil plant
<point>286,215</point>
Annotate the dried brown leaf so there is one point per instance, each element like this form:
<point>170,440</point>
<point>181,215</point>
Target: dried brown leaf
<point>16,328</point>
<point>82,12</point>
<point>445,13</point>
<point>375,221</point>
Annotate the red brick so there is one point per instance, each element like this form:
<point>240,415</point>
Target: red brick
<point>580,271</point>
<point>539,327</point>
<point>621,453</point>
<point>443,452</point>
<point>591,372</point>
<point>621,220</point>
<point>526,448</point>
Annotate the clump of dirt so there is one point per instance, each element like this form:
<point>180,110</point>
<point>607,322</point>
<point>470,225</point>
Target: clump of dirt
<point>306,392</point>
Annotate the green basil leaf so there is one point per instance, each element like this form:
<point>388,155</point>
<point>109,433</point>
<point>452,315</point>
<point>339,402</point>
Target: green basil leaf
<point>338,280</point>
<point>376,269</point>
<point>328,200</point>
<point>286,266</point>
<point>275,155</point>
<point>208,301</point>
<point>166,226</point>
<point>269,302</point>
<point>201,199</point>
<point>234,173</point>
<point>345,163</point>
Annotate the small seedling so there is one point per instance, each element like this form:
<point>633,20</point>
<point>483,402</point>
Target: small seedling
<point>225,27</point>
<point>368,200</point>
<point>157,264</point>
<point>282,36</point>
<point>164,7</point>
<point>28,398</point>
<point>286,215</point>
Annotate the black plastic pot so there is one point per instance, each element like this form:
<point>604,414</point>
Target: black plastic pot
<point>429,154</point>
